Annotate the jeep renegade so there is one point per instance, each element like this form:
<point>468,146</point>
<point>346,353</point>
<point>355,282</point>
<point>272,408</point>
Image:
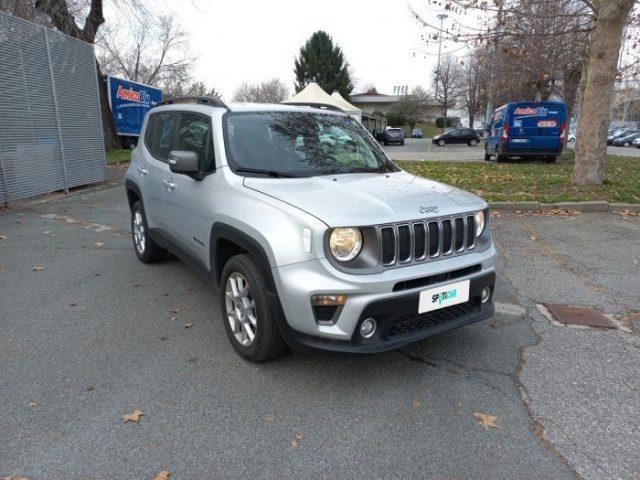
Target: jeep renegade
<point>314,238</point>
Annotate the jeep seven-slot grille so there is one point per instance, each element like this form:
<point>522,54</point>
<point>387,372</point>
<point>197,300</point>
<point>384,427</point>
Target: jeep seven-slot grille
<point>422,240</point>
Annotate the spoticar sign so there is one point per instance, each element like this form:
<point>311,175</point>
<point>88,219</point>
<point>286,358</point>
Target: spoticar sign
<point>129,102</point>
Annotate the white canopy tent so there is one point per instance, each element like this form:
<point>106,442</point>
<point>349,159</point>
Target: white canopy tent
<point>314,96</point>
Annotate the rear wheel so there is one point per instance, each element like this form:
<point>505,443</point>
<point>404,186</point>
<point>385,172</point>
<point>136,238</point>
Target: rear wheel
<point>146,249</point>
<point>626,144</point>
<point>550,159</point>
<point>246,309</point>
<point>473,142</point>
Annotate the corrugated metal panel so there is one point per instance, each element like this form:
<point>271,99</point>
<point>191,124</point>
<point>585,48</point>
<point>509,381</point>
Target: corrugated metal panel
<point>48,92</point>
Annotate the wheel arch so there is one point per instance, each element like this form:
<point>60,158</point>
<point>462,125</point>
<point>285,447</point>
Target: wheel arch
<point>133,192</point>
<point>226,242</point>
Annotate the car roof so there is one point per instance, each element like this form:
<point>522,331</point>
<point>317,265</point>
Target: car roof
<point>248,107</point>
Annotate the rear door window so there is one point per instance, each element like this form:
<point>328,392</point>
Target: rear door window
<point>165,130</point>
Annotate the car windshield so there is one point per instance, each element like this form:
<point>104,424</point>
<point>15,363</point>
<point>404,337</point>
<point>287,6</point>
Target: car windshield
<point>299,144</point>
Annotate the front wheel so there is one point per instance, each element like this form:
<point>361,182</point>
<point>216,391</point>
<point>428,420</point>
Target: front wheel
<point>626,144</point>
<point>246,309</point>
<point>551,159</point>
<point>147,250</point>
<point>441,143</point>
<point>473,142</point>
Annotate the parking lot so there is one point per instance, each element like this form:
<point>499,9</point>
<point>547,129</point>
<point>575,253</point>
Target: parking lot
<point>89,334</point>
<point>423,149</point>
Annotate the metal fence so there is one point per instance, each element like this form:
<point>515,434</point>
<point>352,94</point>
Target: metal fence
<point>50,123</point>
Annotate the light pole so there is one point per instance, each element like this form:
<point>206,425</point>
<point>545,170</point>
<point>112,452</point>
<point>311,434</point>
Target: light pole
<point>441,16</point>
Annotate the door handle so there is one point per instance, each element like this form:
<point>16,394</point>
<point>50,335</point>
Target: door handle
<point>169,185</point>
<point>142,171</point>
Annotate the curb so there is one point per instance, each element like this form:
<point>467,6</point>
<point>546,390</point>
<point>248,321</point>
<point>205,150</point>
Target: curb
<point>587,207</point>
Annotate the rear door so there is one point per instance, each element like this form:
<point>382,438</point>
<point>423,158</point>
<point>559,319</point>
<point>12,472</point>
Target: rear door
<point>536,126</point>
<point>157,146</point>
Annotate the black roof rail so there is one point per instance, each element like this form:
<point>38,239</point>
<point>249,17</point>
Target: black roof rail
<point>214,102</point>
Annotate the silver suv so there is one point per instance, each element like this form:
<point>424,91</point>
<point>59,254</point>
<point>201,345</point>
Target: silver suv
<point>314,238</point>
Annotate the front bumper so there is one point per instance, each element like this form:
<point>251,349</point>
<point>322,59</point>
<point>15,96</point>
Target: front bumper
<point>389,297</point>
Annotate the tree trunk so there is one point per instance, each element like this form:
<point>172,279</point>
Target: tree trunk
<point>604,48</point>
<point>111,140</point>
<point>472,119</point>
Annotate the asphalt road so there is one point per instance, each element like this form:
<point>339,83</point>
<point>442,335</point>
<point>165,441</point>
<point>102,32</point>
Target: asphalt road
<point>423,149</point>
<point>96,334</point>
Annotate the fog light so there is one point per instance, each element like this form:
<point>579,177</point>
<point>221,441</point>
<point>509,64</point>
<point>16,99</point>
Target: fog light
<point>486,293</point>
<point>325,300</point>
<point>368,328</point>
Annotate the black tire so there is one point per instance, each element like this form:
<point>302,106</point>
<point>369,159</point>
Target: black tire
<point>402,143</point>
<point>267,343</point>
<point>473,142</point>
<point>501,158</point>
<point>147,250</point>
<point>386,143</point>
<point>626,144</point>
<point>487,157</point>
<point>551,159</point>
<point>441,143</point>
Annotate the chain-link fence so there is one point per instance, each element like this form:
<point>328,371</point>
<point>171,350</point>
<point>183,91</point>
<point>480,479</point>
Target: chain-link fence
<point>50,123</point>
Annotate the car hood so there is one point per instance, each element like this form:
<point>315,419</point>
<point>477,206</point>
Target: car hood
<point>367,199</point>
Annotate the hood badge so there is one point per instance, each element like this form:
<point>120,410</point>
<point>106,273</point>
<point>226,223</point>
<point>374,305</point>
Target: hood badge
<point>428,209</point>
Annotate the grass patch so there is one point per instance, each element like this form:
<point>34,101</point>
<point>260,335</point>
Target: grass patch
<point>118,156</point>
<point>428,129</point>
<point>535,181</point>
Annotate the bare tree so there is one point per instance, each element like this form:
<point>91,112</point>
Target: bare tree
<point>155,51</point>
<point>446,78</point>
<point>271,91</point>
<point>197,89</point>
<point>470,89</point>
<point>413,106</point>
<point>593,29</point>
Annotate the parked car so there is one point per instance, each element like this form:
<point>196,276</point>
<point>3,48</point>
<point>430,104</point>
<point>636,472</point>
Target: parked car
<point>393,135</point>
<point>313,237</point>
<point>623,132</point>
<point>457,135</point>
<point>625,141</point>
<point>416,133</point>
<point>527,130</point>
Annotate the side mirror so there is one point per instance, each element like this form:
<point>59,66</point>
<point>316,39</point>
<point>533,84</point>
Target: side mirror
<point>183,161</point>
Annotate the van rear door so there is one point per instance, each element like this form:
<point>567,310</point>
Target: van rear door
<point>536,126</point>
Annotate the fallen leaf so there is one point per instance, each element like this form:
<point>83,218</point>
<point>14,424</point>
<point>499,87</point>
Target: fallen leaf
<point>33,404</point>
<point>176,310</point>
<point>133,416</point>
<point>3,237</point>
<point>636,262</point>
<point>163,338</point>
<point>533,238</point>
<point>91,388</point>
<point>270,418</point>
<point>38,268</point>
<point>98,245</point>
<point>416,403</point>
<point>486,420</point>
<point>47,232</point>
<point>188,325</point>
<point>173,319</point>
<point>163,475</point>
<point>296,439</point>
<point>19,221</point>
<point>12,477</point>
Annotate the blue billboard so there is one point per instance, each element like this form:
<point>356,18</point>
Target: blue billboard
<point>129,102</point>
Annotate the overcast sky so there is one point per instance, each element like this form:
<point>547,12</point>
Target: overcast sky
<point>253,40</point>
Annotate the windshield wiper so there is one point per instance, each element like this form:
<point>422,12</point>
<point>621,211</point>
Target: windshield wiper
<point>271,173</point>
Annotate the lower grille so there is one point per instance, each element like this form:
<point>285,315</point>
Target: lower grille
<point>415,323</point>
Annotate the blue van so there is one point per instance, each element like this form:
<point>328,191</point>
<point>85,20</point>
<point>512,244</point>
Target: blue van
<point>527,130</point>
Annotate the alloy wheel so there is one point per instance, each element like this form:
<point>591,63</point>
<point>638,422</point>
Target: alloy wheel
<point>139,237</point>
<point>241,309</point>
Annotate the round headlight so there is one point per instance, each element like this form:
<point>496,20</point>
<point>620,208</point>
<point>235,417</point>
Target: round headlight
<point>345,243</point>
<point>480,221</point>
